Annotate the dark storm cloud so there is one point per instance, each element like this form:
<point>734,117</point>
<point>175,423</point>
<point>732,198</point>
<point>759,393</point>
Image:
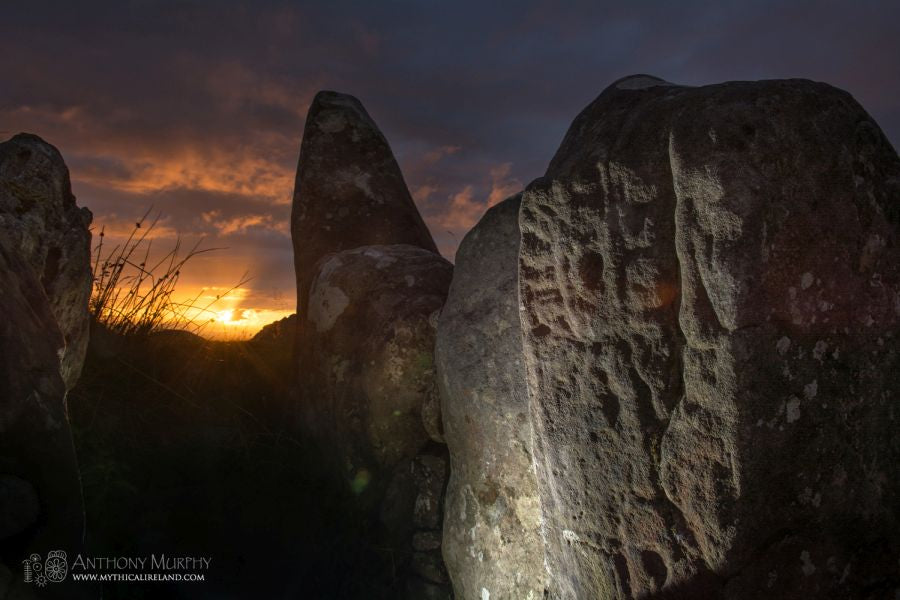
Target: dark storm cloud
<point>197,107</point>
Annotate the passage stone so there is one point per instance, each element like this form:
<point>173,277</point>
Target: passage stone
<point>492,537</point>
<point>41,222</point>
<point>367,376</point>
<point>349,190</point>
<point>45,283</point>
<point>710,294</point>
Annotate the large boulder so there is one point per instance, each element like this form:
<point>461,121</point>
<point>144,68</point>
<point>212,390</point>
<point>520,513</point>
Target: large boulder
<point>492,539</point>
<point>349,190</point>
<point>710,294</point>
<point>45,282</point>
<point>39,219</point>
<point>368,389</point>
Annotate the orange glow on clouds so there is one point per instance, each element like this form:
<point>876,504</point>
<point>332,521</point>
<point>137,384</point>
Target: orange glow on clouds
<point>465,210</point>
<point>246,183</point>
<point>242,223</point>
<point>205,171</point>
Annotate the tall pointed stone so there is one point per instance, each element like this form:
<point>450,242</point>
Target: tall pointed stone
<point>370,285</point>
<point>349,190</point>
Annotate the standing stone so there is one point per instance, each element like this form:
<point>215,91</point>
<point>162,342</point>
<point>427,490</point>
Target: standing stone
<point>370,285</point>
<point>369,333</point>
<point>40,221</point>
<point>710,295</point>
<point>492,540</point>
<point>45,283</point>
<point>367,378</point>
<point>349,190</point>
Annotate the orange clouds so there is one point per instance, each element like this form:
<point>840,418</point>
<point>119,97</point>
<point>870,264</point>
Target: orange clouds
<point>222,171</point>
<point>239,224</point>
<point>464,209</point>
<point>116,229</point>
<point>434,156</point>
<point>422,193</point>
<point>193,169</point>
<point>125,150</point>
<point>502,186</point>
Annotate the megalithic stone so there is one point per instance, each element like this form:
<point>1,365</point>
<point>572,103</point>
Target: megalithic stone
<point>370,284</point>
<point>40,220</point>
<point>349,190</point>
<point>370,397</point>
<point>45,284</point>
<point>492,526</point>
<point>710,294</point>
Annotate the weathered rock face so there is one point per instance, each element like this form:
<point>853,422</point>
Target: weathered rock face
<point>367,372</point>
<point>492,539</point>
<point>45,283</point>
<point>39,219</point>
<point>371,320</point>
<point>370,286</point>
<point>349,190</point>
<point>710,296</point>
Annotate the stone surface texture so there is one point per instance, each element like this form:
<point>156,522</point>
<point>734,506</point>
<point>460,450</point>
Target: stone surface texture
<point>710,300</point>
<point>370,286</point>
<point>492,540</point>
<point>45,282</point>
<point>370,335</point>
<point>41,222</point>
<point>349,190</point>
<point>367,376</point>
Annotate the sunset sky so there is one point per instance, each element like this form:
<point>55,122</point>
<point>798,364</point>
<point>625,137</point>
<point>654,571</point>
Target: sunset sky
<point>196,107</point>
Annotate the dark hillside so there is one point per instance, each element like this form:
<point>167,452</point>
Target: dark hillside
<point>184,449</point>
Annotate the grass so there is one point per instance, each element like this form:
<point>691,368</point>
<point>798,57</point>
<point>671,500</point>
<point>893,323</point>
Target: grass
<point>189,447</point>
<point>134,294</point>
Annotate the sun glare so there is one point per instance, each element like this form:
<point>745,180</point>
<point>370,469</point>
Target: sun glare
<point>233,316</point>
<point>225,316</point>
<point>223,313</point>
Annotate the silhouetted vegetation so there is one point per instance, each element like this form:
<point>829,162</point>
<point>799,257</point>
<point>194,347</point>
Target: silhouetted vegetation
<point>133,290</point>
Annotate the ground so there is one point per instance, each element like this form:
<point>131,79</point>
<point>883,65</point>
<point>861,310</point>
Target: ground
<point>187,447</point>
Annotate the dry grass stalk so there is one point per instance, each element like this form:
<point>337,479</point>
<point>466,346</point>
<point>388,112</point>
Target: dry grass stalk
<point>131,296</point>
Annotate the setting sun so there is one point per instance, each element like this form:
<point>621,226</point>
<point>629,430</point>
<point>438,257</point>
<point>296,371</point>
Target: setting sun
<point>225,316</point>
<point>233,316</point>
<point>229,320</point>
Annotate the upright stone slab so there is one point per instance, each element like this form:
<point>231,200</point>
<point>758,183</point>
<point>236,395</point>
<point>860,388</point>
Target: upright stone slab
<point>41,223</point>
<point>349,190</point>
<point>369,391</point>
<point>370,285</point>
<point>710,302</point>
<point>45,283</point>
<point>492,539</point>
